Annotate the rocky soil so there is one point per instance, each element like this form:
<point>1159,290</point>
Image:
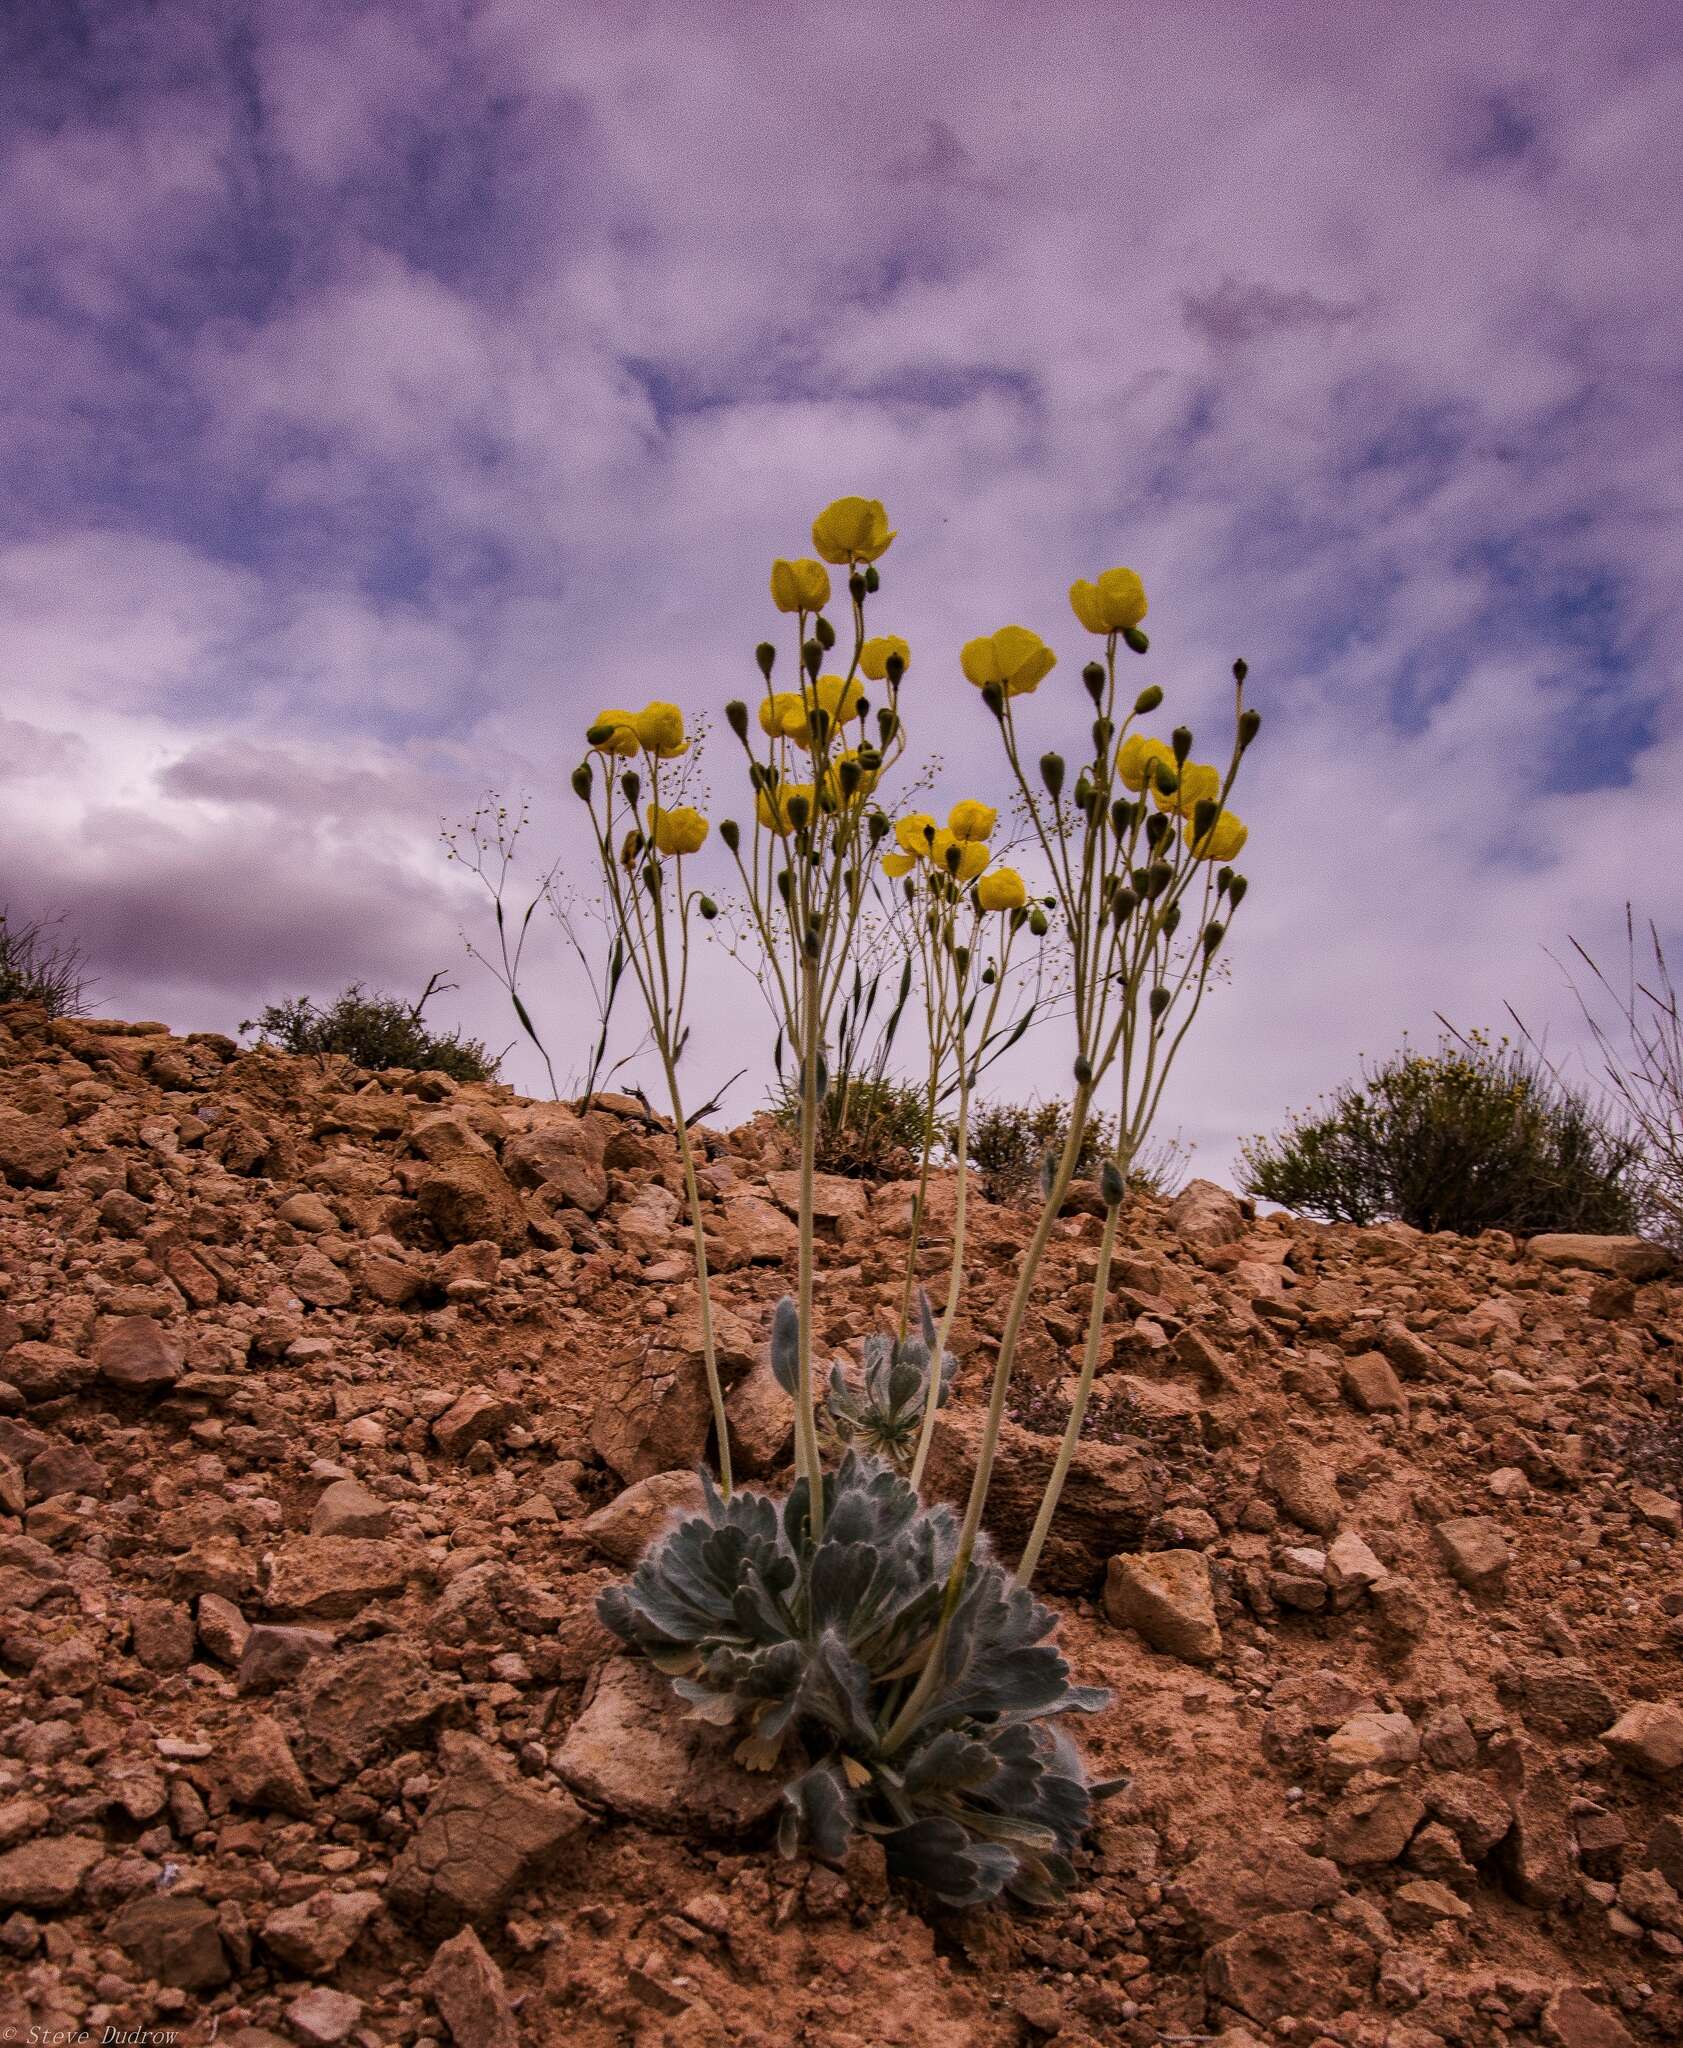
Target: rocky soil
<point>328,1403</point>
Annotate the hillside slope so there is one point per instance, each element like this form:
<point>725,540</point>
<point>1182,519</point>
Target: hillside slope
<point>329,1402</point>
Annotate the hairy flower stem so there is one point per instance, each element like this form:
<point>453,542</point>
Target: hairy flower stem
<point>918,1201</point>
<point>955,1282</point>
<point>709,1352</point>
<point>806,1427</point>
<point>906,1720</point>
<point>1078,1407</point>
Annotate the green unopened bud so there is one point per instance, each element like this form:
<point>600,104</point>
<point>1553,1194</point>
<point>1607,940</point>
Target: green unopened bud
<point>1037,922</point>
<point>823,632</point>
<point>1102,734</point>
<point>1126,904</point>
<point>1213,934</point>
<point>1093,676</point>
<point>873,582</point>
<point>894,668</point>
<point>818,725</point>
<point>1136,639</point>
<point>1083,1070</point>
<point>799,811</point>
<point>631,785</point>
<point>1110,1183</point>
<point>731,833</point>
<point>1122,819</point>
<point>1236,890</point>
<point>1158,877</point>
<point>990,973</point>
<point>812,658</point>
<point>1204,814</point>
<point>1147,700</point>
<point>1157,829</point>
<point>599,735</point>
<point>583,780</point>
<point>1171,921</point>
<point>1181,740</point>
<point>766,655</point>
<point>785,884</point>
<point>1250,724</point>
<point>878,827</point>
<point>1241,669</point>
<point>993,696</point>
<point>849,774</point>
<point>961,960</point>
<point>887,725</point>
<point>736,717</point>
<point>1083,791</point>
<point>1160,999</point>
<point>1052,774</point>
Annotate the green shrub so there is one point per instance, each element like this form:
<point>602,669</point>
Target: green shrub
<point>375,1031</point>
<point>37,965</point>
<point>1475,1136</point>
<point>1008,1141</point>
<point>867,1128</point>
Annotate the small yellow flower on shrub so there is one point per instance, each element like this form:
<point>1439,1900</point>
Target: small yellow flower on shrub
<point>971,820</point>
<point>852,530</point>
<point>964,859</point>
<point>1133,762</point>
<point>772,806</point>
<point>660,728</point>
<point>802,586</point>
<point>1222,839</point>
<point>677,831</point>
<point>1001,890</point>
<point>613,732</point>
<point>1199,783</point>
<point>783,715</point>
<point>874,656</point>
<point>1112,604</point>
<point>897,864</point>
<point>1014,658</point>
<point>915,834</point>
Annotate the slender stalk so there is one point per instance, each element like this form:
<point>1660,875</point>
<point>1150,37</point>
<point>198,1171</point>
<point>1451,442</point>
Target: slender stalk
<point>806,1428</point>
<point>955,1281</point>
<point>709,1352</point>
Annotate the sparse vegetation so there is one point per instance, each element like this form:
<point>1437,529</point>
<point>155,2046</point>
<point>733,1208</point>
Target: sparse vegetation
<point>39,964</point>
<point>868,1128</point>
<point>373,1030</point>
<point>1476,1136</point>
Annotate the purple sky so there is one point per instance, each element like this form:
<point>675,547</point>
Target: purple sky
<point>389,386</point>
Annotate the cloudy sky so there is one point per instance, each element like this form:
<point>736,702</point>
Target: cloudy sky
<point>390,385</point>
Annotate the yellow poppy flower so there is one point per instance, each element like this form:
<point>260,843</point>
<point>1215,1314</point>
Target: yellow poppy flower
<point>1015,658</point>
<point>961,858</point>
<point>1133,762</point>
<point>1112,604</point>
<point>971,820</point>
<point>842,700</point>
<point>915,834</point>
<point>874,656</point>
<point>660,728</point>
<point>852,530</point>
<point>1224,840</point>
<point>802,586</point>
<point>1001,890</point>
<point>1198,782</point>
<point>620,732</point>
<point>772,806</point>
<point>895,865</point>
<point>677,831</point>
<point>783,715</point>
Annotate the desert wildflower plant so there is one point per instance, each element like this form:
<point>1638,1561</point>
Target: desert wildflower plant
<point>851,1624</point>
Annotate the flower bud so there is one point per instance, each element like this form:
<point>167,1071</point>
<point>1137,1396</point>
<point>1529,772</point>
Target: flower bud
<point>887,725</point>
<point>1161,998</point>
<point>1157,829</point>
<point>1147,701</point>
<point>1083,1070</point>
<point>894,668</point>
<point>736,717</point>
<point>879,827</point>
<point>993,696</point>
<point>1181,740</point>
<point>1136,639</point>
<point>1110,1184</point>
<point>824,633</point>
<point>1093,676</point>
<point>990,973</point>
<point>1213,934</point>
<point>1126,904</point>
<point>632,787</point>
<point>1204,814</point>
<point>766,655</point>
<point>731,833</point>
<point>1236,890</point>
<point>785,885</point>
<point>1038,923</point>
<point>1122,817</point>
<point>708,908</point>
<point>800,812</point>
<point>812,654</point>
<point>1250,724</point>
<point>1052,774</point>
<point>873,581</point>
<point>1083,791</point>
<point>1171,921</point>
<point>583,780</point>
<point>1241,669</point>
<point>1158,877</point>
<point>961,960</point>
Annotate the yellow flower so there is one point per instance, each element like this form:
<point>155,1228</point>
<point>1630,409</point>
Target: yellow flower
<point>1002,890</point>
<point>897,864</point>
<point>1224,839</point>
<point>1133,762</point>
<point>678,831</point>
<point>1198,782</point>
<point>963,858</point>
<point>867,777</point>
<point>1015,658</point>
<point>852,530</point>
<point>783,715</point>
<point>915,833</point>
<point>971,820</point>
<point>772,806</point>
<point>621,732</point>
<point>660,728</point>
<point>873,656</point>
<point>841,699</point>
<point>802,586</point>
<point>1114,603</point>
